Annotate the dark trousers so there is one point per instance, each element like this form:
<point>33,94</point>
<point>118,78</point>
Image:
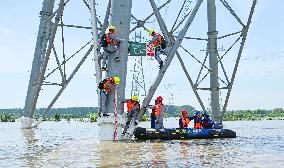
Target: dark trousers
<point>131,116</point>
<point>153,122</point>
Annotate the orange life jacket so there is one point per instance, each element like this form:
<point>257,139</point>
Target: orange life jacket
<point>109,40</point>
<point>159,41</point>
<point>197,125</point>
<point>131,104</point>
<point>185,122</point>
<point>107,83</point>
<point>158,109</point>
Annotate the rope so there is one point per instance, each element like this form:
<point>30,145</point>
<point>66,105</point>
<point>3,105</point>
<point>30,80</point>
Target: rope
<point>115,116</point>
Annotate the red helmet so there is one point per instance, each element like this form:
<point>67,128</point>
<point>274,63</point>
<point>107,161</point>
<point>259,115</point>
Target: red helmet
<point>159,98</point>
<point>184,112</point>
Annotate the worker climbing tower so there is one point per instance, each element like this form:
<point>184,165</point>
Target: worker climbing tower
<point>119,14</point>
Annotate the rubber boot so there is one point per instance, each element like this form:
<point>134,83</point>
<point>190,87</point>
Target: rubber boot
<point>161,64</point>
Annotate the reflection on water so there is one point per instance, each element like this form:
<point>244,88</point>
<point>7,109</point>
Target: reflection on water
<point>76,144</point>
<point>129,154</point>
<point>31,154</point>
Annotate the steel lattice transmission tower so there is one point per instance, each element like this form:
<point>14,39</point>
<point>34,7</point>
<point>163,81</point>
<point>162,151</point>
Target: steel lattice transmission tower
<point>118,13</point>
<point>138,79</point>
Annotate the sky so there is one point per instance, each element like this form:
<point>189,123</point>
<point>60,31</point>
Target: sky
<point>258,84</point>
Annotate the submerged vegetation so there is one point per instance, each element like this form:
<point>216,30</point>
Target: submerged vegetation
<point>93,117</point>
<point>8,117</point>
<point>88,114</point>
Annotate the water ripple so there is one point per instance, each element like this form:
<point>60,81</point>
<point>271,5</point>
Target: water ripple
<point>76,144</point>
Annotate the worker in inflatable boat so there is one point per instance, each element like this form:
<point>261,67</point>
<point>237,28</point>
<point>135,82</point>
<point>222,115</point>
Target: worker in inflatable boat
<point>184,120</point>
<point>206,122</point>
<point>197,120</point>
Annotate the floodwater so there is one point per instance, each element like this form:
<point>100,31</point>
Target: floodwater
<point>76,144</point>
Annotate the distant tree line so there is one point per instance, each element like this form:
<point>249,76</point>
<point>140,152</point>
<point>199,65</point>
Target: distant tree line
<point>171,111</point>
<point>80,111</point>
<point>277,113</point>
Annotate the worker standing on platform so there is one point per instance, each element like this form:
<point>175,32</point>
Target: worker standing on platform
<point>184,120</point>
<point>153,117</point>
<point>110,45</point>
<point>133,107</point>
<point>159,109</point>
<point>105,87</point>
<point>206,122</point>
<point>197,120</point>
<point>159,43</point>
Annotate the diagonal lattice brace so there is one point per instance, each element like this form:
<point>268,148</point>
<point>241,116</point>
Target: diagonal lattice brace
<point>223,68</point>
<point>148,17</point>
<point>68,59</point>
<point>227,35</point>
<point>225,3</point>
<point>47,55</point>
<point>193,86</point>
<point>170,56</point>
<point>230,48</point>
<point>58,64</point>
<point>178,15</point>
<point>106,22</point>
<point>191,82</point>
<point>173,49</point>
<point>244,35</point>
<point>88,6</point>
<point>180,23</point>
<point>203,65</point>
<point>68,80</point>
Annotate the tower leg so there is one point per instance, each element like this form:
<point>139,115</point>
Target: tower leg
<point>39,68</point>
<point>213,61</point>
<point>41,44</point>
<point>111,126</point>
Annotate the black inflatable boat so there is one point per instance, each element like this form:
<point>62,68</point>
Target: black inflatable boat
<point>182,133</point>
